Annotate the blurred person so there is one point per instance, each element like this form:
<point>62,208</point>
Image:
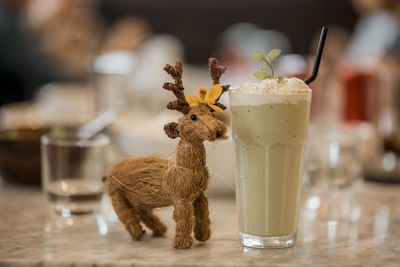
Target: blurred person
<point>80,33</point>
<point>375,32</point>
<point>69,31</point>
<point>23,67</point>
<point>47,40</point>
<point>389,115</point>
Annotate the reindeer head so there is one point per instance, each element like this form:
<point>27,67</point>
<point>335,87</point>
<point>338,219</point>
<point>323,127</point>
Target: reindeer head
<point>198,123</point>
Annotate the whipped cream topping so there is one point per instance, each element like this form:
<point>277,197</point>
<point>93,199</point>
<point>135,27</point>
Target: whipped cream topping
<point>274,87</point>
<point>288,91</point>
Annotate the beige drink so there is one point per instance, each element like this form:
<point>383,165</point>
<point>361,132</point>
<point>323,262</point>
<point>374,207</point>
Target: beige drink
<point>269,127</point>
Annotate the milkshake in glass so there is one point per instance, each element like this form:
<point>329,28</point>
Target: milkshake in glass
<point>269,127</point>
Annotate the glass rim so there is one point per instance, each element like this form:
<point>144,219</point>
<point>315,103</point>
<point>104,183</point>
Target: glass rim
<point>69,141</point>
<point>233,90</point>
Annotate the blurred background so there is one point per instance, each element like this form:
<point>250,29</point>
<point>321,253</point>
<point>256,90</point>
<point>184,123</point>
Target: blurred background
<point>65,62</point>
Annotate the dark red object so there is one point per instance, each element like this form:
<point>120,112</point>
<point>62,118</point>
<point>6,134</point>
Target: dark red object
<point>360,95</point>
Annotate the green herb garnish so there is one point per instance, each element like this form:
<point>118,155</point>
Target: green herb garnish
<point>264,73</point>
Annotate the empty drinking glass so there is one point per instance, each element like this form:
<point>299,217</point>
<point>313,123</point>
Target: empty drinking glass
<point>333,158</point>
<point>333,167</point>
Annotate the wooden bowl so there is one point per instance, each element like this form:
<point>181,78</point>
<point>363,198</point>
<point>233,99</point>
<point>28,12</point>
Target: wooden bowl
<point>20,155</point>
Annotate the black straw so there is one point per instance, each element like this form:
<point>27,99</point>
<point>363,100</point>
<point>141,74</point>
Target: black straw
<point>318,56</point>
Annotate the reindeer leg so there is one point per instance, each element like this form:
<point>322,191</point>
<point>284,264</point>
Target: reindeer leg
<point>183,216</point>
<point>128,215</point>
<point>202,223</point>
<point>153,222</point>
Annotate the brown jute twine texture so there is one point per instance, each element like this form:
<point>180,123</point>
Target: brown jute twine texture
<point>138,185</point>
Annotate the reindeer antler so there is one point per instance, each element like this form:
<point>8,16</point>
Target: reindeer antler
<point>177,88</point>
<point>215,73</point>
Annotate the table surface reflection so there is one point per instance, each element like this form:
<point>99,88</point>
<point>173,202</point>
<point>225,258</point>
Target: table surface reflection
<point>368,235</point>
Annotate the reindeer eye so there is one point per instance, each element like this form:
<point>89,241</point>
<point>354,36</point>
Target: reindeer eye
<point>193,117</point>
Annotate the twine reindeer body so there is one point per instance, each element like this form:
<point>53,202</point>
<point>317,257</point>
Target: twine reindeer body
<point>138,185</point>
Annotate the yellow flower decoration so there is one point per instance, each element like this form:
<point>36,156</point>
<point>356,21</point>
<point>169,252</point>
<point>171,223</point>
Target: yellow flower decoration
<point>207,99</point>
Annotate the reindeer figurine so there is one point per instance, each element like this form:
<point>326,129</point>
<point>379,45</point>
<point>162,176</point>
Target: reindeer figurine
<point>138,185</point>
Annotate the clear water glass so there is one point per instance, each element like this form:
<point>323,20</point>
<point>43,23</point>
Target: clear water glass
<point>72,172</point>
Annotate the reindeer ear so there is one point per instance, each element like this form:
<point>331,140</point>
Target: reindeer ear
<point>171,129</point>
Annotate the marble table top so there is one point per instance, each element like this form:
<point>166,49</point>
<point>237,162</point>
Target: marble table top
<point>362,232</point>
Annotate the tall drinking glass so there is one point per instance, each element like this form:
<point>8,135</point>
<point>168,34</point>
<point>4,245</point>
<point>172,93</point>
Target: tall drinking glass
<point>269,132</point>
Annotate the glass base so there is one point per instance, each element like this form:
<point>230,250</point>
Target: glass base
<point>94,223</point>
<point>267,242</point>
